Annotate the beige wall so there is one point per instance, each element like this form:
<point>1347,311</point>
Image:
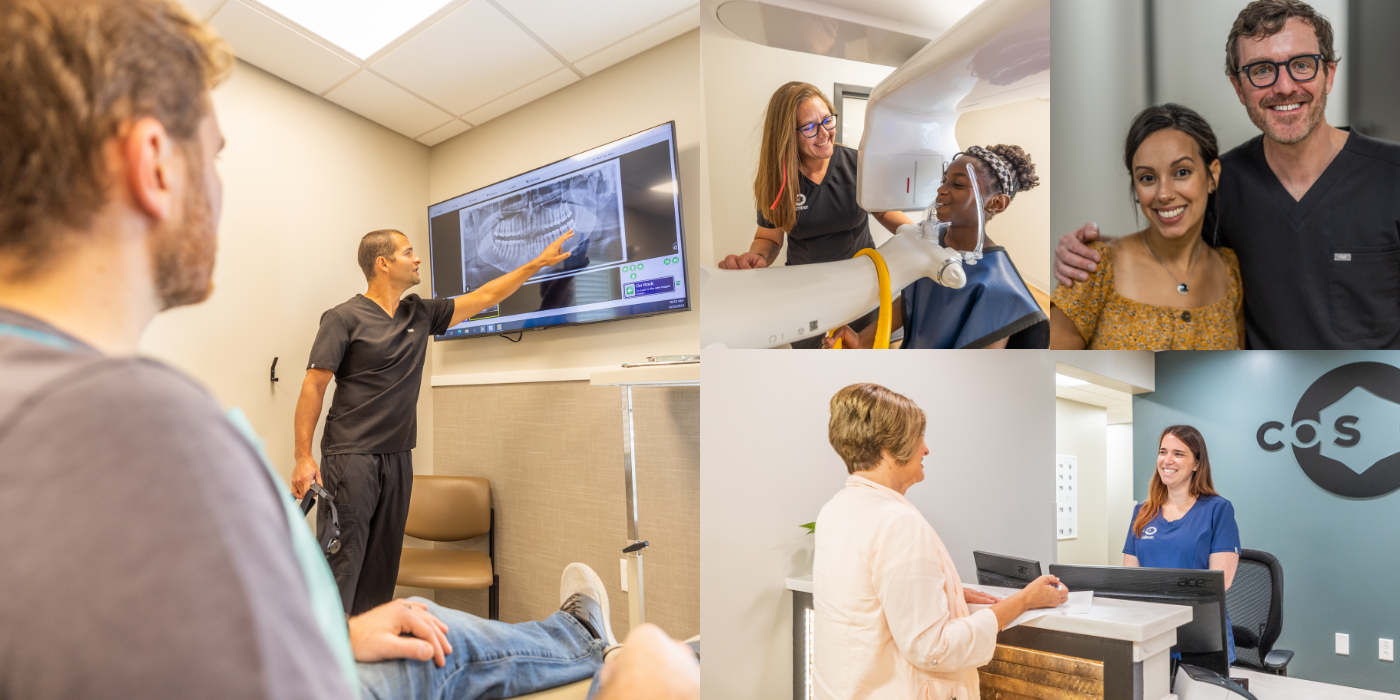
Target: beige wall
<point>1119,491</point>
<point>553,453</point>
<point>1025,227</point>
<point>657,86</point>
<point>1081,430</point>
<point>303,180</point>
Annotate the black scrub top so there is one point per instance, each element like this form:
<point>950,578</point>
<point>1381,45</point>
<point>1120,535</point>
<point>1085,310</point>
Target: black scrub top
<point>378,366</point>
<point>1322,272</point>
<point>830,225</point>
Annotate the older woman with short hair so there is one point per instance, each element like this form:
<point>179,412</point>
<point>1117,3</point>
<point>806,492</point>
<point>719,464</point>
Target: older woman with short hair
<point>891,613</point>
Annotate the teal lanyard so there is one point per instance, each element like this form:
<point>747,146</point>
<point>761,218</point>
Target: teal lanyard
<point>37,336</point>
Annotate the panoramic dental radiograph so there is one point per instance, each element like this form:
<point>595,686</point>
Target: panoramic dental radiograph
<point>509,231</point>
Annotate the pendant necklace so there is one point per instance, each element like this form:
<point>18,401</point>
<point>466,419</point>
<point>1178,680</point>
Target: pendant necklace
<point>1181,287</point>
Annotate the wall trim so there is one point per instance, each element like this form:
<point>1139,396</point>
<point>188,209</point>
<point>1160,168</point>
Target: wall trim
<point>566,374</point>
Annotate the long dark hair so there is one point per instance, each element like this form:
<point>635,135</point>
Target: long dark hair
<point>1201,485</point>
<point>1184,119</point>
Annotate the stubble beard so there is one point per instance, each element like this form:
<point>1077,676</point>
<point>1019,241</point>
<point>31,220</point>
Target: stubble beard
<point>183,255</point>
<point>1317,109</point>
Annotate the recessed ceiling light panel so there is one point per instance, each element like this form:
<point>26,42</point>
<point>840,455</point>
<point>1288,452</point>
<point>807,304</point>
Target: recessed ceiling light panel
<point>361,27</point>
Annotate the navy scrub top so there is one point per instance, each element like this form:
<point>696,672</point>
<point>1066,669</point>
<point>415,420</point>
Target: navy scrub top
<point>1208,527</point>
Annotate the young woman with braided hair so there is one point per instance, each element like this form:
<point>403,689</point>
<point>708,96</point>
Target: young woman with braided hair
<point>995,308</point>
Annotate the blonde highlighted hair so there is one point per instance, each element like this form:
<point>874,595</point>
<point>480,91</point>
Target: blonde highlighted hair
<point>869,421</point>
<point>778,154</point>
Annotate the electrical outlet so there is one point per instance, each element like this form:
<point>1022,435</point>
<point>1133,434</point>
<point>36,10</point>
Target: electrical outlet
<point>1387,650</point>
<point>1344,644</point>
<point>623,561</point>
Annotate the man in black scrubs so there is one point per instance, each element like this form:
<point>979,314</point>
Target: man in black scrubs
<point>375,345</point>
<point>1312,211</point>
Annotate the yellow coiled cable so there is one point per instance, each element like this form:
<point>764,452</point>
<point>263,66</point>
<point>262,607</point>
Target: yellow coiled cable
<point>882,327</point>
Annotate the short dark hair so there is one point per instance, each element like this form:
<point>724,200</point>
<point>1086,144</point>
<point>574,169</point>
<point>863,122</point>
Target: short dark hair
<point>1265,18</point>
<point>376,245</point>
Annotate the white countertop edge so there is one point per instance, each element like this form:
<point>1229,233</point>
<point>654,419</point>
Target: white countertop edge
<point>1158,627</point>
<point>801,583</point>
<point>654,375</point>
<point>564,374</point>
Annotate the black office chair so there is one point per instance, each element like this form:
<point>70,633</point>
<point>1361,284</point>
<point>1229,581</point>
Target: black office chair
<point>1255,602</point>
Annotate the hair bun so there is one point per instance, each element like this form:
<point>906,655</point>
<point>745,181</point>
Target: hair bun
<point>1020,163</point>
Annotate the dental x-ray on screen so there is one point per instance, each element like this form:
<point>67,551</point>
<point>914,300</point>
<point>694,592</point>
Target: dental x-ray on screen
<point>621,200</point>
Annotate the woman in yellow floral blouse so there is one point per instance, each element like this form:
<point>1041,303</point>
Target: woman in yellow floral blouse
<point>1162,288</point>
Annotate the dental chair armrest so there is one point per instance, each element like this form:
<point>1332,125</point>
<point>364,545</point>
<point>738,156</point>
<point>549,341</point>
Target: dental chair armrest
<point>1277,661</point>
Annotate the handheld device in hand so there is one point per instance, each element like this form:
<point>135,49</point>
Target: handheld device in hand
<point>330,539</point>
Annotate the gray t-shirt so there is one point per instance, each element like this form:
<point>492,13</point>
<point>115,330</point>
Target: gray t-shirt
<point>378,366</point>
<point>143,549</point>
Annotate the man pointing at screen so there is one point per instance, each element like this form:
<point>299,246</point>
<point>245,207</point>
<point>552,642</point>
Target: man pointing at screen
<point>375,345</point>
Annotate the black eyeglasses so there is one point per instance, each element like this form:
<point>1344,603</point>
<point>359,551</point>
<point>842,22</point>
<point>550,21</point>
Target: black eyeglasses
<point>810,130</point>
<point>1264,74</point>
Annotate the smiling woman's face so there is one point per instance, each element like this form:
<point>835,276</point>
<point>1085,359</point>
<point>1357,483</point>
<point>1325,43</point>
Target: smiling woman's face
<point>955,203</point>
<point>821,145</point>
<point>1172,184</point>
<point>1175,461</point>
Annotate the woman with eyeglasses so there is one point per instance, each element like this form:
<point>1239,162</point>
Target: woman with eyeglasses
<point>1164,287</point>
<point>805,191</point>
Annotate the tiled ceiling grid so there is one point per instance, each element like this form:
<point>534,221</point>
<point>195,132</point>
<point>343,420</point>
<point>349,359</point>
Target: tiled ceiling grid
<point>466,64</point>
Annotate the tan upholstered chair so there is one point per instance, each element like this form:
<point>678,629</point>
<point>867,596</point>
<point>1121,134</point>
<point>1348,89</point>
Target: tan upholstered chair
<point>448,509</point>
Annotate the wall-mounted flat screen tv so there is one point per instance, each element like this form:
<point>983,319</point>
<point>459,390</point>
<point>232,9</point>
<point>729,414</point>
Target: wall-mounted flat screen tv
<point>623,202</point>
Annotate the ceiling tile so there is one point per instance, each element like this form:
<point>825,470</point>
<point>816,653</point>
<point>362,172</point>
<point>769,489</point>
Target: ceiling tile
<point>279,49</point>
<point>577,29</point>
<point>377,99</point>
<point>646,39</point>
<point>467,59</point>
<point>200,8</point>
<point>522,96</point>
<point>443,133</point>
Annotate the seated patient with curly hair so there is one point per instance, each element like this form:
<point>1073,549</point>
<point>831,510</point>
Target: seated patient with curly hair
<point>995,308</point>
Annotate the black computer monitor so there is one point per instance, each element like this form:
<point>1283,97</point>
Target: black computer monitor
<point>1001,570</point>
<point>1201,641</point>
<point>622,201</point>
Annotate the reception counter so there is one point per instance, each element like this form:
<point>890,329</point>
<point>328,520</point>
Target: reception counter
<point>1119,649</point>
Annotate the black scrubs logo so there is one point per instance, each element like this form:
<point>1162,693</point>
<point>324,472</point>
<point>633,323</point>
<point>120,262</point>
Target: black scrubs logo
<point>1345,432</point>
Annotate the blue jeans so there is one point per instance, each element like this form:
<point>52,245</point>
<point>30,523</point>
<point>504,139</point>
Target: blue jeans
<point>489,660</point>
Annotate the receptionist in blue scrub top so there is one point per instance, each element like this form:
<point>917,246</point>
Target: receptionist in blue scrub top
<point>1184,524</point>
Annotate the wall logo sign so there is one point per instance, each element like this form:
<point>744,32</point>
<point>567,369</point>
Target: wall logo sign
<point>1345,431</point>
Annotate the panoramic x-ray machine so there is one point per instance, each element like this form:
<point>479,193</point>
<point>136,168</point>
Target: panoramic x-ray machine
<point>998,54</point>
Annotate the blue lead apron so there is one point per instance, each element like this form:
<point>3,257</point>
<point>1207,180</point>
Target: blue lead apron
<point>320,583</point>
<point>994,304</point>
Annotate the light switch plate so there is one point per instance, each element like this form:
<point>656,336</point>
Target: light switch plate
<point>623,561</point>
<point>1343,644</point>
<point>1387,650</point>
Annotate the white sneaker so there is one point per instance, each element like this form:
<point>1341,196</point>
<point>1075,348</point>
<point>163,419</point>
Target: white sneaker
<point>579,579</point>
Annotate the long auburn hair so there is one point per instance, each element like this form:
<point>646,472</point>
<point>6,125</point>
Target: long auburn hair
<point>778,155</point>
<point>1200,479</point>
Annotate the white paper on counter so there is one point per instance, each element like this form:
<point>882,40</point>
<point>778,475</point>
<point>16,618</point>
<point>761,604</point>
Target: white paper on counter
<point>1079,603</point>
